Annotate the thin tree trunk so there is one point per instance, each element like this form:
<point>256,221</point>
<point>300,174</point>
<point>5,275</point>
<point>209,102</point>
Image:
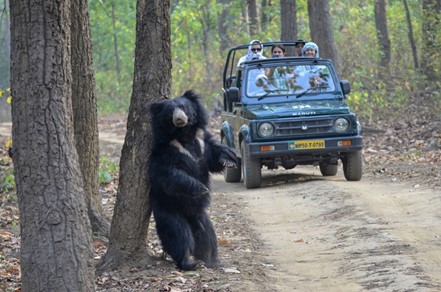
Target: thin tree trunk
<point>56,241</point>
<point>85,113</point>
<point>5,52</point>
<point>288,23</point>
<point>264,18</point>
<point>115,44</point>
<point>253,18</point>
<point>410,35</point>
<point>431,53</point>
<point>245,8</point>
<point>222,26</point>
<point>382,32</point>
<point>320,26</point>
<point>206,30</point>
<point>152,82</point>
<point>7,32</point>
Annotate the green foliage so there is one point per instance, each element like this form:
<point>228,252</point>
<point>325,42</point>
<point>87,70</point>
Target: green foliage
<point>198,61</point>
<point>113,35</point>
<point>7,182</point>
<point>107,170</point>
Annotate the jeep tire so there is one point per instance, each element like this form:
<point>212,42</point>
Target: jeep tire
<point>251,168</point>
<point>353,165</point>
<point>232,174</point>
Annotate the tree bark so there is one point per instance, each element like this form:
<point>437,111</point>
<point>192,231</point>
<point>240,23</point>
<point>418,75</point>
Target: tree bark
<point>6,43</point>
<point>5,52</point>
<point>152,82</point>
<point>288,23</point>
<point>253,17</point>
<point>320,26</point>
<point>56,241</point>
<point>382,33</point>
<point>410,35</point>
<point>431,53</point>
<point>264,19</point>
<point>207,30</point>
<point>222,27</point>
<point>85,113</point>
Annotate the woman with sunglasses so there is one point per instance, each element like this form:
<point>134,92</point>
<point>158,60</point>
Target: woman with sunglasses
<point>255,50</point>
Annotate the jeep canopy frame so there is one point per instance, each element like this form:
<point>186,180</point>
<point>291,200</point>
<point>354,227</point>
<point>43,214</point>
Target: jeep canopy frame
<point>232,58</point>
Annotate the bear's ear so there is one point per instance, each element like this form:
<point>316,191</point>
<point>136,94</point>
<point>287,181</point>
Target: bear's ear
<point>156,107</point>
<point>189,94</point>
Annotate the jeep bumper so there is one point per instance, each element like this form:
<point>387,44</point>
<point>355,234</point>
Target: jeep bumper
<point>306,146</point>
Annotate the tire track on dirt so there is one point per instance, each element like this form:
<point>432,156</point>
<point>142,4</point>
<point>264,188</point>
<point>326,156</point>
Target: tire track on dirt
<point>333,235</point>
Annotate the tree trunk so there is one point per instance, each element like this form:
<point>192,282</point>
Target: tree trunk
<point>85,113</point>
<point>222,27</point>
<point>245,16</point>
<point>320,26</point>
<point>115,44</point>
<point>288,23</point>
<point>56,241</point>
<point>5,52</point>
<point>431,53</point>
<point>265,20</point>
<point>410,35</point>
<point>5,40</point>
<point>152,82</point>
<point>253,18</point>
<point>206,41</point>
<point>382,33</point>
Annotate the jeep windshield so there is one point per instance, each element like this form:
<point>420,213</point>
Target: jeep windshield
<point>296,80</point>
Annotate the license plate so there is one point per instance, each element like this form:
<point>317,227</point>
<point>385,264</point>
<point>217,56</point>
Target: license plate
<point>307,144</point>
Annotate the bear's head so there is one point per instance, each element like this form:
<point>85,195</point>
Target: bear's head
<point>178,118</point>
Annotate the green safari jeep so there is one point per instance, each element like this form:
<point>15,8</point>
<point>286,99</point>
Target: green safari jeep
<point>284,112</point>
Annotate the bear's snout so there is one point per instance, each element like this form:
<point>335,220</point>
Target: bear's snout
<point>180,119</point>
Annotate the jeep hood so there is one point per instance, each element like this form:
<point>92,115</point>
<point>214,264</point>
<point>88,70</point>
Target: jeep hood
<point>295,109</point>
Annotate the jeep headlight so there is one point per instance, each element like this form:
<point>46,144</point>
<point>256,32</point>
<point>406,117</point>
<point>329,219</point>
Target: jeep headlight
<point>266,130</point>
<point>341,125</point>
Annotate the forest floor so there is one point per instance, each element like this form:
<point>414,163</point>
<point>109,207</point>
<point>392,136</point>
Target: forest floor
<point>300,231</point>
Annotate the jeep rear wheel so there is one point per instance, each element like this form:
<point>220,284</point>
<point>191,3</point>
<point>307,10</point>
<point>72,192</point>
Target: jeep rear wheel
<point>353,165</point>
<point>232,174</point>
<point>251,168</point>
<point>328,169</point>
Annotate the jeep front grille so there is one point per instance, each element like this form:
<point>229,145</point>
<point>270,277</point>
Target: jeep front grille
<point>304,127</point>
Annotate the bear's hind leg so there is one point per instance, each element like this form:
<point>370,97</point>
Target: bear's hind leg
<point>205,240</point>
<point>176,238</point>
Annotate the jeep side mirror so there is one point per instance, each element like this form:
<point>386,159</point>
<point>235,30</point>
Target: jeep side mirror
<point>345,86</point>
<point>233,94</point>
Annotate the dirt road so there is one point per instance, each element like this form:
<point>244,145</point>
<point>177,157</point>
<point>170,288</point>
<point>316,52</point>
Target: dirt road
<point>327,234</point>
<point>303,232</point>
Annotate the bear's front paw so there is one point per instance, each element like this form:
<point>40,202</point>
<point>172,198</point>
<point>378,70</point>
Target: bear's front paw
<point>227,163</point>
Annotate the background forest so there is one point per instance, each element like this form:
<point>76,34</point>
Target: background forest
<point>383,56</point>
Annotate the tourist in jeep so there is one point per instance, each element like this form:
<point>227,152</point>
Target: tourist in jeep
<point>310,50</point>
<point>299,46</point>
<point>278,51</point>
<point>255,51</point>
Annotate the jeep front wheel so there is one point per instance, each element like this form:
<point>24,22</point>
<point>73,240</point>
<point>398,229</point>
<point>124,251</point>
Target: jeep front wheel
<point>353,165</point>
<point>232,174</point>
<point>251,168</point>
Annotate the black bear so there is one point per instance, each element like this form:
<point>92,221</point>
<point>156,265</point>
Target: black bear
<point>183,155</point>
